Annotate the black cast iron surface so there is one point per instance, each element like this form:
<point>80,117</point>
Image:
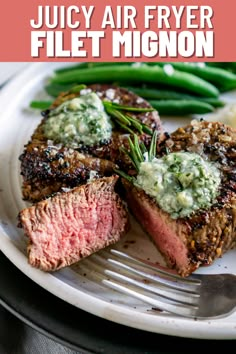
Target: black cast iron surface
<point>77,329</point>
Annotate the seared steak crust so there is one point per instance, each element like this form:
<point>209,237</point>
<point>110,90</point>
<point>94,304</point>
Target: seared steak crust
<point>44,174</point>
<point>199,239</point>
<point>48,169</point>
<point>72,225</point>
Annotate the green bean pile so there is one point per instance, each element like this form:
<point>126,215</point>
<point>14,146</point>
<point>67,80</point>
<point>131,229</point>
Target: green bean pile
<point>172,88</point>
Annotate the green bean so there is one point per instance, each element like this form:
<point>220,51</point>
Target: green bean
<point>231,66</point>
<point>217,76</point>
<point>215,102</point>
<point>140,74</point>
<point>87,65</point>
<point>226,88</point>
<point>40,104</point>
<point>217,64</point>
<point>55,89</point>
<point>64,69</point>
<point>181,108</point>
<point>154,94</point>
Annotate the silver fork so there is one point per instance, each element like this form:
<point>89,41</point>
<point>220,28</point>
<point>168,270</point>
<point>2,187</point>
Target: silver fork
<point>197,296</point>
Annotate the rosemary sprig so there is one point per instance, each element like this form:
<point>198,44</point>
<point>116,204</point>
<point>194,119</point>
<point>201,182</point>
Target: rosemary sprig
<point>138,150</point>
<point>136,154</point>
<point>124,175</point>
<point>126,120</point>
<point>116,114</point>
<point>143,148</point>
<point>153,147</point>
<point>130,108</point>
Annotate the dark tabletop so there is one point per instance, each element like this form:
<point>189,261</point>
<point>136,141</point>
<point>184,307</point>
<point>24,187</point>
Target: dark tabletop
<point>18,338</point>
<point>38,322</point>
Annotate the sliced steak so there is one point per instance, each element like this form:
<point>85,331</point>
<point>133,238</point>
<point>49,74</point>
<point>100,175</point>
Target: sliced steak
<point>72,225</point>
<point>187,243</point>
<point>44,173</point>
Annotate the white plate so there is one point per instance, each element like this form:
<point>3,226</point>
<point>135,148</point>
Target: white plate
<point>7,70</point>
<point>17,123</point>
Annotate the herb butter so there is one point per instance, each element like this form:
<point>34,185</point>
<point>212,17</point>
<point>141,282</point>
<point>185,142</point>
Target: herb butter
<point>79,121</point>
<point>180,182</point>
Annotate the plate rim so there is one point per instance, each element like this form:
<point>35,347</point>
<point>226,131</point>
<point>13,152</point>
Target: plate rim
<point>175,326</point>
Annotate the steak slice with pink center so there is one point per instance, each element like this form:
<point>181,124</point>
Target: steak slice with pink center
<point>70,226</point>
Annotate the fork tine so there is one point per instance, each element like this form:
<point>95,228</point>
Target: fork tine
<point>157,302</point>
<point>164,292</point>
<point>145,280</point>
<point>159,269</point>
<point>211,296</point>
<point>174,283</point>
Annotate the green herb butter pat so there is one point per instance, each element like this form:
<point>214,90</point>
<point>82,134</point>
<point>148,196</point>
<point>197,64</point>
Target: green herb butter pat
<point>180,182</point>
<point>79,121</point>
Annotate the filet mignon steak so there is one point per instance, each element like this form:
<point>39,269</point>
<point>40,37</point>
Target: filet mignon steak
<point>72,225</point>
<point>189,242</point>
<point>46,167</point>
